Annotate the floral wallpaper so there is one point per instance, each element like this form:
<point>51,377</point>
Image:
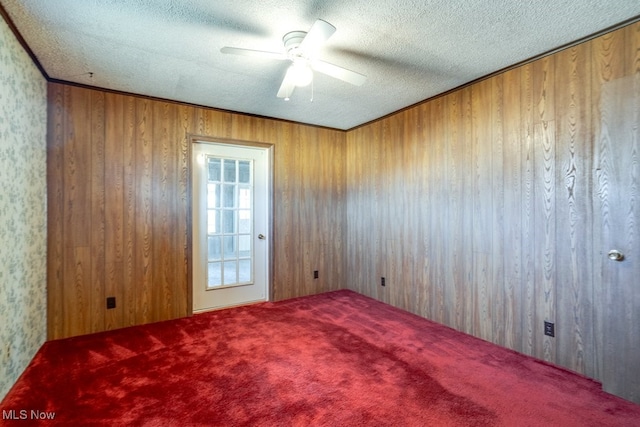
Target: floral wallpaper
<point>23,214</point>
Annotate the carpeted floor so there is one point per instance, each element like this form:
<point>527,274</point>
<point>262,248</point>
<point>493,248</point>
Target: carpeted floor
<point>335,359</point>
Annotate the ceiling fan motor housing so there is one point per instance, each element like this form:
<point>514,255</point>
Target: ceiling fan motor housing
<point>292,41</point>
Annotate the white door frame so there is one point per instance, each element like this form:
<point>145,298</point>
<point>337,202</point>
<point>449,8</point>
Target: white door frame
<point>269,149</point>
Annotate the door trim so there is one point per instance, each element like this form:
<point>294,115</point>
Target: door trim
<point>269,148</point>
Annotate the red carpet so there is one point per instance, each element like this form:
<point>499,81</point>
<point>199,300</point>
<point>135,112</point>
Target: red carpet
<point>336,359</point>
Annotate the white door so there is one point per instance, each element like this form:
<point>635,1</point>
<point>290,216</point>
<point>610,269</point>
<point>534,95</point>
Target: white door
<point>230,221</point>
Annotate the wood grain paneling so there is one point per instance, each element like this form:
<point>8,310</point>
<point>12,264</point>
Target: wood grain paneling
<point>616,85</point>
<point>129,214</point>
<point>467,260</point>
<point>99,234</point>
<point>438,202</point>
<point>118,206</point>
<point>483,193</point>
<point>497,299</point>
<point>511,254</point>
<point>143,235</point>
<point>508,233</point>
<point>574,275</point>
<point>529,265</point>
<point>113,177</point>
<point>544,148</point>
<point>545,229</point>
<point>77,283</point>
<point>606,66</point>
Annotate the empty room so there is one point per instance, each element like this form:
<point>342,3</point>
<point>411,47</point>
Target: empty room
<point>289,213</point>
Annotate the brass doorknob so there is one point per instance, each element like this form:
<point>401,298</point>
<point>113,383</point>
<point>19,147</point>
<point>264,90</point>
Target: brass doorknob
<point>615,255</point>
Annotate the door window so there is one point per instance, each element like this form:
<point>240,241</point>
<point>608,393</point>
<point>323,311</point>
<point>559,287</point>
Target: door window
<point>229,221</point>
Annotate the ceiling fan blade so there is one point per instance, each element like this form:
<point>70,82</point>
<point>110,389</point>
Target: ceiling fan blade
<point>318,34</point>
<point>339,73</point>
<point>254,53</point>
<point>287,86</point>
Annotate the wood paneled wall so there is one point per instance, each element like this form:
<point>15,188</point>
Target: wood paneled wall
<point>117,200</point>
<point>478,207</point>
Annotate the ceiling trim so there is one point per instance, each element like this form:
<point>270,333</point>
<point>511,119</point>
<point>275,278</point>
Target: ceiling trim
<point>172,101</point>
<point>22,41</point>
<point>510,67</point>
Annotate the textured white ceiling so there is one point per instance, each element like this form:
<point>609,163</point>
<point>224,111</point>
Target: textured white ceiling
<point>410,50</point>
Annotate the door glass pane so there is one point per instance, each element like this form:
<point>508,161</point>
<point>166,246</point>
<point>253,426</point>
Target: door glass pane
<point>215,246</point>
<point>245,197</point>
<point>244,270</point>
<point>229,170</point>
<point>213,169</point>
<point>213,221</point>
<point>214,277</point>
<point>213,195</point>
<point>230,247</point>
<point>229,221</point>
<point>230,273</point>
<point>244,221</point>
<point>229,196</point>
<point>244,246</point>
<point>244,172</point>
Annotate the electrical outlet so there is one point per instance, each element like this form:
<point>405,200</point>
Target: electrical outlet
<point>315,274</point>
<point>549,329</point>
<point>382,281</point>
<point>111,302</point>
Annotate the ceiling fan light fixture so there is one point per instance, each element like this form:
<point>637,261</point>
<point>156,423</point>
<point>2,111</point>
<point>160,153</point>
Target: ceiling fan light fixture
<point>301,49</point>
<point>300,74</point>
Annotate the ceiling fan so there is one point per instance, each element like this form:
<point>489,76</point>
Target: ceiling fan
<point>301,49</point>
